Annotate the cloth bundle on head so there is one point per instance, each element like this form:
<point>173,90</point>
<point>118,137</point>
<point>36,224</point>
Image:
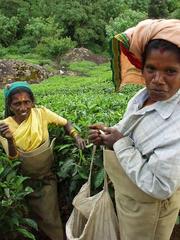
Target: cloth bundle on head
<point>127,48</point>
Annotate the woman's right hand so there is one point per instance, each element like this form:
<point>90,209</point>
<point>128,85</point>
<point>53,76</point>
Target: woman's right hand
<point>5,131</point>
<point>95,134</point>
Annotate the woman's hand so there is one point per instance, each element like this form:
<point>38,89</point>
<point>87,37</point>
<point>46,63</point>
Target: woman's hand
<point>95,135</point>
<point>109,136</point>
<point>80,142</point>
<point>5,131</point>
<point>101,135</point>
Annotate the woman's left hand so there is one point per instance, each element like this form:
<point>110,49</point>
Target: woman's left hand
<point>80,142</point>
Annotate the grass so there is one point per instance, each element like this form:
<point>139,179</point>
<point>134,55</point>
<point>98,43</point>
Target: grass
<point>91,96</point>
<point>32,59</point>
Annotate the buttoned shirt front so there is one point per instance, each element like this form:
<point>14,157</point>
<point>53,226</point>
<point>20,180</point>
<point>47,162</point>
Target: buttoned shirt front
<point>149,152</point>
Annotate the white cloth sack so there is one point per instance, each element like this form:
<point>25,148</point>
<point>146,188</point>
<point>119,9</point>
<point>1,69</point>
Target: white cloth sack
<point>93,217</point>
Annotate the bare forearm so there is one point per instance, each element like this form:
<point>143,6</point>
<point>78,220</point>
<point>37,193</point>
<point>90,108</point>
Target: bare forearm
<point>71,131</point>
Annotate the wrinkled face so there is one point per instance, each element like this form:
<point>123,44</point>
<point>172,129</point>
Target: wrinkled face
<point>21,105</point>
<point>162,74</point>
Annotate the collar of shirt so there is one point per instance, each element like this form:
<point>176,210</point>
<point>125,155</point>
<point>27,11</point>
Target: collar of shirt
<point>164,108</point>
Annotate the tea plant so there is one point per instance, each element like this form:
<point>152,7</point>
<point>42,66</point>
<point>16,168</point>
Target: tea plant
<point>84,100</point>
<point>13,222</point>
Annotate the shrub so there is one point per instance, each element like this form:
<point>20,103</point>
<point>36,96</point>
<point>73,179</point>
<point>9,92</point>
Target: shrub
<point>39,28</point>
<point>8,29</point>
<point>3,51</point>
<point>12,205</point>
<point>176,14</point>
<point>125,20</point>
<point>55,48</point>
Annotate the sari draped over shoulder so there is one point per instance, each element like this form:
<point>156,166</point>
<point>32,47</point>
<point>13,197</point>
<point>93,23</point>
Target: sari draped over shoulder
<point>30,134</point>
<point>36,153</point>
<point>33,131</point>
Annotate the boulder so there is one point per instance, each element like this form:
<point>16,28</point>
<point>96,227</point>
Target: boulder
<point>79,54</point>
<point>13,70</point>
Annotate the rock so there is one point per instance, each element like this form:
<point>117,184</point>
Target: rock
<point>61,72</point>
<point>13,70</point>
<point>79,54</point>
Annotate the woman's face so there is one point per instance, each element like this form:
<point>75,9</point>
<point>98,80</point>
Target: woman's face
<point>162,74</point>
<point>21,105</point>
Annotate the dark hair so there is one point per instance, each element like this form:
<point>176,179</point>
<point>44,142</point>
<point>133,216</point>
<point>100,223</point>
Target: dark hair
<point>159,44</point>
<point>8,100</point>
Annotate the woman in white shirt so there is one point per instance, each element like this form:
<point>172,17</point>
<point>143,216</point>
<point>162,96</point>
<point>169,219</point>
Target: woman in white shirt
<point>145,164</point>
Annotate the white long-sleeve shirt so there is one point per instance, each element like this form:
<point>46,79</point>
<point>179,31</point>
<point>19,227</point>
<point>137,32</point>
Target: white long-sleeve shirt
<point>150,151</point>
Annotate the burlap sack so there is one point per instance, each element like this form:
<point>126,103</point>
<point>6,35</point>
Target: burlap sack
<point>93,217</point>
<point>43,202</point>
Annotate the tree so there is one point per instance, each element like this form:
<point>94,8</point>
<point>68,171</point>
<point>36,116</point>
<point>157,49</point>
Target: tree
<point>174,8</point>
<point>8,29</point>
<point>125,20</point>
<point>10,7</point>
<point>84,21</point>
<point>140,5</point>
<point>175,14</point>
<point>54,48</point>
<point>158,9</point>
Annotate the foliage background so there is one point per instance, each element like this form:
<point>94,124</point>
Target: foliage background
<point>83,100</point>
<point>41,31</point>
<point>52,27</point>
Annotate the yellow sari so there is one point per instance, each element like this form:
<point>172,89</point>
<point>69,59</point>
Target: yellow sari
<point>33,131</point>
<point>32,140</point>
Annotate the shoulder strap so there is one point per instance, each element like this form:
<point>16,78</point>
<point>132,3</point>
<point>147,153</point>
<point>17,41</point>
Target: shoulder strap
<point>90,171</point>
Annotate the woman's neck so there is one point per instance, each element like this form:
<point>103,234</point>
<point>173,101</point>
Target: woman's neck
<point>18,120</point>
<point>148,102</point>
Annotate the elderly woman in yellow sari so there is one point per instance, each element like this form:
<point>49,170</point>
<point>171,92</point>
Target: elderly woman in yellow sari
<point>24,134</point>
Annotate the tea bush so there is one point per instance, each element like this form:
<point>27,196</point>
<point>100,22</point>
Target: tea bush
<point>13,220</point>
<point>84,100</point>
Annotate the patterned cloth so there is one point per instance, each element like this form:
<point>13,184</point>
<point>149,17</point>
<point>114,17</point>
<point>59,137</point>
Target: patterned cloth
<point>127,48</point>
<point>150,151</point>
